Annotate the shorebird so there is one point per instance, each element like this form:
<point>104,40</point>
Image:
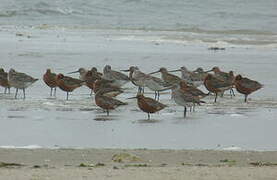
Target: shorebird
<point>192,77</point>
<point>50,80</point>
<point>108,86</point>
<point>90,78</point>
<point>82,72</point>
<point>157,85</point>
<point>184,98</point>
<point>119,78</point>
<point>4,80</point>
<point>170,79</point>
<point>148,105</point>
<point>193,90</point>
<point>105,102</point>
<point>68,84</point>
<point>246,86</point>
<point>20,80</point>
<point>216,85</point>
<point>137,77</point>
<point>227,77</point>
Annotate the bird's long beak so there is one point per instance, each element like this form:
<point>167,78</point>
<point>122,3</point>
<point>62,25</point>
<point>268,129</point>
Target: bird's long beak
<point>208,71</point>
<point>73,72</point>
<point>154,72</point>
<point>175,70</point>
<point>132,97</point>
<point>126,70</point>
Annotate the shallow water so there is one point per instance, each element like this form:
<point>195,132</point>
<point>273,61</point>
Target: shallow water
<point>54,122</point>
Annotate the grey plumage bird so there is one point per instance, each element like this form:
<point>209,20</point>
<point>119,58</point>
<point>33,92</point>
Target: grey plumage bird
<point>20,80</point>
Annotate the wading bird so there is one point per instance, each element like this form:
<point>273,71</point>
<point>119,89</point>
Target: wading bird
<point>148,105</point>
<point>20,80</point>
<point>50,80</point>
<point>246,86</point>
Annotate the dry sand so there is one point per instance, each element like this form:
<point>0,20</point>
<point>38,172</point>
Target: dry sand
<point>39,164</point>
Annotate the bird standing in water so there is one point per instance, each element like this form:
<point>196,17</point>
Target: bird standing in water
<point>50,80</point>
<point>226,77</point>
<point>216,85</point>
<point>20,80</point>
<point>148,105</point>
<point>137,77</point>
<point>68,84</point>
<point>105,102</point>
<point>246,86</point>
<point>185,98</point>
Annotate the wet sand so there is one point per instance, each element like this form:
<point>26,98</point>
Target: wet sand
<point>136,164</point>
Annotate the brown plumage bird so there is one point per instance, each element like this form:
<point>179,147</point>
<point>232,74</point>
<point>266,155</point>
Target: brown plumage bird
<point>193,90</point>
<point>50,80</point>
<point>108,85</point>
<point>4,80</point>
<point>68,84</point>
<point>225,76</point>
<point>90,78</point>
<point>105,102</point>
<point>216,85</point>
<point>246,86</point>
<point>148,105</point>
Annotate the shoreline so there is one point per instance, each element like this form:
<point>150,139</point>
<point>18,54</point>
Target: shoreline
<point>135,164</point>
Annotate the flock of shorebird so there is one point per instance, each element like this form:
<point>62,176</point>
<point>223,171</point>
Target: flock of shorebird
<point>109,84</point>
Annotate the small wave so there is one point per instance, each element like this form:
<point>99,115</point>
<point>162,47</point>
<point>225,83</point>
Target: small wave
<point>7,14</point>
<point>22,147</point>
<point>232,148</point>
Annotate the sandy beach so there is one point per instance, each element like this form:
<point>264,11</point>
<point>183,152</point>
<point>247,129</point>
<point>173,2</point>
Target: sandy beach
<point>40,164</point>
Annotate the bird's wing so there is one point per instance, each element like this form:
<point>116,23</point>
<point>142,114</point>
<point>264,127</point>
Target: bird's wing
<point>119,75</point>
<point>251,84</point>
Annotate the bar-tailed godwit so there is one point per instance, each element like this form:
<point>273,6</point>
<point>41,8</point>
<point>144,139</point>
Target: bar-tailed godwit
<point>20,80</point>
<point>105,102</point>
<point>50,80</point>
<point>148,105</point>
<point>119,78</point>
<point>68,84</point>
<point>246,86</point>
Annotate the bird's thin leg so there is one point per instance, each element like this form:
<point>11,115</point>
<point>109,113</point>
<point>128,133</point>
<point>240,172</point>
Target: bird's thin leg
<point>143,90</point>
<point>185,111</point>
<point>155,95</point>
<point>245,98</point>
<point>215,97</point>
<point>16,91</point>
<point>51,91</point>
<point>66,95</point>
<point>9,90</point>
<point>23,93</point>
<point>148,116</point>
<point>233,92</point>
<point>108,112</point>
<point>55,90</point>
<point>190,109</point>
<point>158,95</point>
<point>5,91</point>
<point>193,107</point>
<point>91,92</point>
